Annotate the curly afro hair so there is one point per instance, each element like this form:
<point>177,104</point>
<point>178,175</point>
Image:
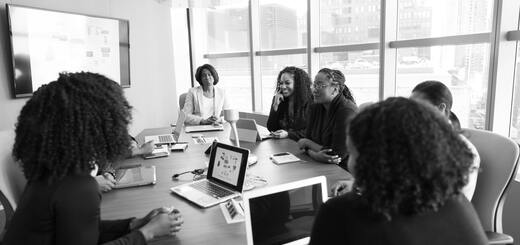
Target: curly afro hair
<point>410,159</point>
<point>71,123</point>
<point>302,86</point>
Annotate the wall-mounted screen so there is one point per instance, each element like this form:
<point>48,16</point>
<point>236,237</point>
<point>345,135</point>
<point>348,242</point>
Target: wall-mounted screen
<point>45,43</point>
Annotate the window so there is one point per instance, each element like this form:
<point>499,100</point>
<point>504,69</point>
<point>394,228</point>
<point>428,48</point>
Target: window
<point>363,20</point>
<point>446,40</point>
<point>515,117</point>
<point>435,18</point>
<point>361,71</point>
<point>283,24</point>
<point>360,66</point>
<point>235,78</point>
<point>220,37</point>
<point>463,68</point>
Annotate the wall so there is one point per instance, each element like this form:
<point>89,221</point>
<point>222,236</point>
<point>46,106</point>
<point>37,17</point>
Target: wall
<point>152,92</point>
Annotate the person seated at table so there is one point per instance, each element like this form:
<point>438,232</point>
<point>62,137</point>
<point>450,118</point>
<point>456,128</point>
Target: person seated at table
<point>290,104</point>
<point>437,94</point>
<point>65,129</point>
<point>205,103</point>
<point>106,177</point>
<point>410,167</point>
<point>325,135</point>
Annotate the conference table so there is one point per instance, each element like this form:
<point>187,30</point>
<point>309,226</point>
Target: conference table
<point>207,226</point>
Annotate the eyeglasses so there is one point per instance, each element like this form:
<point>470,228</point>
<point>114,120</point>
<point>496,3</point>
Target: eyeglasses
<point>318,85</point>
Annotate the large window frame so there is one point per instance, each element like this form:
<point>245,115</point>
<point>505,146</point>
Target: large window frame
<point>502,39</point>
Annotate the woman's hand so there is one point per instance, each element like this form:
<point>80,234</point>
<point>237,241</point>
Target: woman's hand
<point>162,224</point>
<point>140,222</point>
<point>325,155</point>
<point>342,187</point>
<point>209,120</point>
<point>278,98</point>
<point>280,134</point>
<point>105,182</point>
<point>147,148</point>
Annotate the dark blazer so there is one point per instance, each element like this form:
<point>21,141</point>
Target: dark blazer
<point>66,212</point>
<point>348,219</point>
<point>329,128</point>
<point>280,119</point>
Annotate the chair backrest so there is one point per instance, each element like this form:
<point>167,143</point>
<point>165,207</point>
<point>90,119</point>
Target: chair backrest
<point>12,180</point>
<point>498,164</point>
<point>260,119</point>
<point>182,100</point>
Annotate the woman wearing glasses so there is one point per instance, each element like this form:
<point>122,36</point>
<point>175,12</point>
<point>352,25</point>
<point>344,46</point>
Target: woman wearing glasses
<point>325,135</point>
<point>290,104</point>
<point>204,104</point>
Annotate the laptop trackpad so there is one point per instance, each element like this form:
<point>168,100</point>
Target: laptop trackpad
<point>195,195</point>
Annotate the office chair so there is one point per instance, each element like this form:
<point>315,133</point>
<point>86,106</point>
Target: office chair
<point>12,180</point>
<point>499,159</point>
<point>182,100</point>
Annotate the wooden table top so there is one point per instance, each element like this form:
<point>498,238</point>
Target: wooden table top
<point>207,226</point>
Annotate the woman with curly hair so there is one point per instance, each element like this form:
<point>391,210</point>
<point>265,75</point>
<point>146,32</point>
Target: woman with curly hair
<point>325,135</point>
<point>67,129</point>
<point>410,167</point>
<point>438,95</point>
<point>290,103</point>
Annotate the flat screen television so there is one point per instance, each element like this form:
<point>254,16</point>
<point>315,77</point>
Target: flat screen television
<point>45,43</point>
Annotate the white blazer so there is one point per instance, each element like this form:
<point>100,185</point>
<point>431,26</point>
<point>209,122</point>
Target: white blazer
<point>192,105</point>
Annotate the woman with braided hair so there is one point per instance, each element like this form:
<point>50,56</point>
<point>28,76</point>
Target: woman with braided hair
<point>67,129</point>
<point>328,118</point>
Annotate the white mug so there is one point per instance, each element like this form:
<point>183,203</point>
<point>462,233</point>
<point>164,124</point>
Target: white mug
<point>231,115</point>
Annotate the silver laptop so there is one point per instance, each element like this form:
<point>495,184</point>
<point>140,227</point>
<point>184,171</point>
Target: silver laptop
<point>204,128</point>
<point>225,179</point>
<point>169,138</point>
<point>291,209</point>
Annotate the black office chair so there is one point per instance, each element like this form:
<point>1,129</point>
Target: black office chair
<point>499,160</point>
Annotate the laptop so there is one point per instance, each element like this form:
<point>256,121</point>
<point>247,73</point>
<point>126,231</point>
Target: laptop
<point>135,176</point>
<point>204,128</point>
<point>169,138</point>
<point>248,130</point>
<point>292,208</point>
<point>226,173</point>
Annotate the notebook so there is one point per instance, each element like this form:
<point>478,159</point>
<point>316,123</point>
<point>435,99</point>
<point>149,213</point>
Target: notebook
<point>135,176</point>
<point>204,128</point>
<point>292,209</point>
<point>226,172</point>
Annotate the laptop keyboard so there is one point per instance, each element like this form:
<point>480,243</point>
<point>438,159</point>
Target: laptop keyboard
<point>211,189</point>
<point>165,138</point>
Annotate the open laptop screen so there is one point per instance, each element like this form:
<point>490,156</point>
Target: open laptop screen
<point>285,216</point>
<point>228,165</point>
